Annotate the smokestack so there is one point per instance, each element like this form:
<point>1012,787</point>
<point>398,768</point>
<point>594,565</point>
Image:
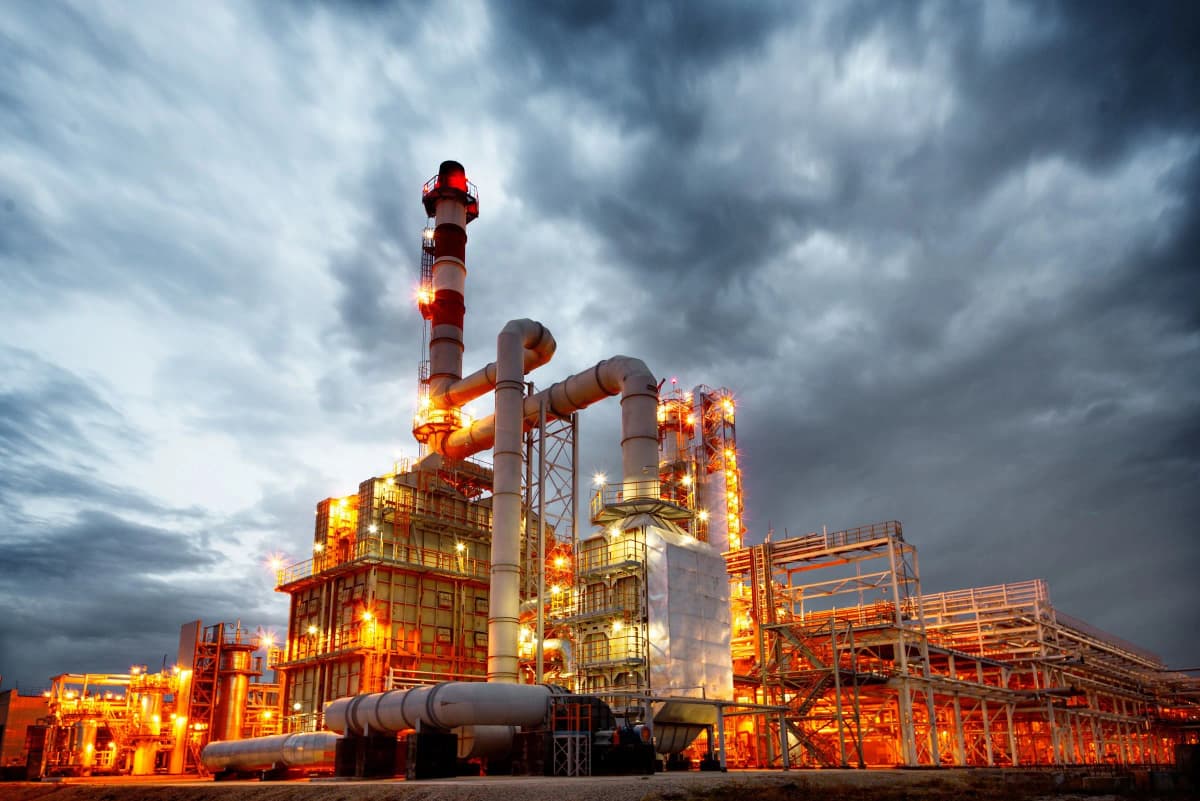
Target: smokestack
<point>450,200</point>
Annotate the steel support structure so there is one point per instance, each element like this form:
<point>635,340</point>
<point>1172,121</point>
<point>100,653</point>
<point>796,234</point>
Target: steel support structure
<point>874,672</point>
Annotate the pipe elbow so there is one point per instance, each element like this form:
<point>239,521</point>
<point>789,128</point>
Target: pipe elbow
<point>536,340</point>
<point>628,376</point>
<point>464,442</point>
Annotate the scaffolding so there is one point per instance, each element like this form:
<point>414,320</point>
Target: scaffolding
<point>396,590</point>
<point>834,626</point>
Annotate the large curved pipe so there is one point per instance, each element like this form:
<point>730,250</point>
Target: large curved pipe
<point>538,348</point>
<point>448,705</point>
<point>314,749</point>
<point>639,458</point>
<point>639,409</point>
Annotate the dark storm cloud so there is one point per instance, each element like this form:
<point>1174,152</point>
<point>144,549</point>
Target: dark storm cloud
<point>1092,82</point>
<point>1087,82</point>
<point>99,547</point>
<point>674,221</point>
<point>104,584</point>
<point>1060,433</point>
<point>78,572</point>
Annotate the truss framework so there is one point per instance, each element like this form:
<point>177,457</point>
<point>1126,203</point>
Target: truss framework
<point>834,625</point>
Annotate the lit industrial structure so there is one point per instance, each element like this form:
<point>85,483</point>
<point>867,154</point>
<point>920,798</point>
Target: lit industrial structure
<point>452,611</point>
<point>875,672</point>
<point>141,722</point>
<point>819,650</point>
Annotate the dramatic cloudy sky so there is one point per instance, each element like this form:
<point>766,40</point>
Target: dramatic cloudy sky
<point>945,254</point>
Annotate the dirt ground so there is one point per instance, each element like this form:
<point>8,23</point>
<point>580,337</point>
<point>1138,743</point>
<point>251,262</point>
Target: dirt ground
<point>826,785</point>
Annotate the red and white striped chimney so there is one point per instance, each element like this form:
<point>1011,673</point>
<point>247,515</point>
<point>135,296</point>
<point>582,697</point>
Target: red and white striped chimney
<point>450,200</point>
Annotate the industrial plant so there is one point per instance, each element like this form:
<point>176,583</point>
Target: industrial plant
<point>516,617</point>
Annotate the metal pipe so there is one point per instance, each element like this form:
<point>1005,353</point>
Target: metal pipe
<point>623,375</point>
<point>540,635</point>
<point>314,749</point>
<point>539,347</point>
<point>639,456</point>
<point>505,586</point>
<point>448,705</point>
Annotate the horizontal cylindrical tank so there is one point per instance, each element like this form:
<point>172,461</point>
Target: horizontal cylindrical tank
<point>313,749</point>
<point>448,705</point>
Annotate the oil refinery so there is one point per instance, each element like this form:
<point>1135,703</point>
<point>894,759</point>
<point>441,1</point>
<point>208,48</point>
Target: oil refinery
<point>455,617</point>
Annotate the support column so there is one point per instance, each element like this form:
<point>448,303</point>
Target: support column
<point>1012,736</point>
<point>960,755</point>
<point>908,738</point>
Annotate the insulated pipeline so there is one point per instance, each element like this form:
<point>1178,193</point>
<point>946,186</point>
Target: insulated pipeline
<point>623,375</point>
<point>302,750</point>
<point>448,705</point>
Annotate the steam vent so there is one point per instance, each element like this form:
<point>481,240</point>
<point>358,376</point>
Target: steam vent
<point>484,608</point>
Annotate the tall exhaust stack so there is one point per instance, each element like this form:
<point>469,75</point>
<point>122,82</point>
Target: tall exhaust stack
<point>450,200</point>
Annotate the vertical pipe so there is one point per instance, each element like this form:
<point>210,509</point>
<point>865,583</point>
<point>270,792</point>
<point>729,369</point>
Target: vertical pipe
<point>639,432</point>
<point>530,579</point>
<point>541,539</point>
<point>503,601</point>
<point>574,482</point>
<point>179,725</point>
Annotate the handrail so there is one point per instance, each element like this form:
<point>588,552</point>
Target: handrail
<point>390,552</point>
<point>1104,637</point>
<point>611,494</point>
<point>621,551</point>
<point>435,183</point>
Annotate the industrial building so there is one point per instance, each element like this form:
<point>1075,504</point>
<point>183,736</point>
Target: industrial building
<point>818,650</point>
<point>456,614</point>
<point>142,723</point>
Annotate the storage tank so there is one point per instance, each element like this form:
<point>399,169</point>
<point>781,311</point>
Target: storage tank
<point>314,750</point>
